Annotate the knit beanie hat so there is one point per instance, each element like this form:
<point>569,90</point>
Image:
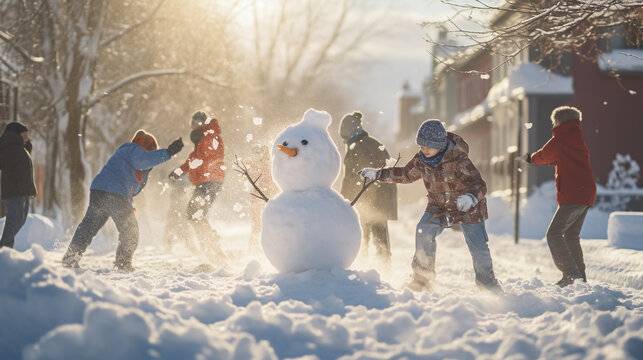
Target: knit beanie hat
<point>16,128</point>
<point>351,123</point>
<point>432,134</point>
<point>146,140</point>
<point>563,114</point>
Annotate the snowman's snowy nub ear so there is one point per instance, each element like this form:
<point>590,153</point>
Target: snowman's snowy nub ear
<point>320,119</point>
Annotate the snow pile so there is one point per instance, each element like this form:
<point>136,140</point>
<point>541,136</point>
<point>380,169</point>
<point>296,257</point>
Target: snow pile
<point>625,230</point>
<point>622,60</point>
<point>536,214</point>
<point>39,230</point>
<point>54,314</point>
<point>172,309</point>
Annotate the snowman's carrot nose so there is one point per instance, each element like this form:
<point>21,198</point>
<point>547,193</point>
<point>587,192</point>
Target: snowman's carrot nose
<point>292,152</point>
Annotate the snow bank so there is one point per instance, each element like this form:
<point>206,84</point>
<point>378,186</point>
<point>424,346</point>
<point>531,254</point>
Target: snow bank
<point>52,313</point>
<point>536,214</point>
<point>39,230</point>
<point>625,230</point>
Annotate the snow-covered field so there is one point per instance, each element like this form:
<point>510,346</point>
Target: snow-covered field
<point>173,307</point>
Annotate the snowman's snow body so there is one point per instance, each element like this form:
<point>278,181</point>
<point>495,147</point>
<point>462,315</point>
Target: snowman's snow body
<point>308,225</point>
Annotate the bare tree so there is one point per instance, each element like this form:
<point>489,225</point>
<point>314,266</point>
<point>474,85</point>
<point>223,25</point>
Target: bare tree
<point>296,42</point>
<point>68,38</point>
<point>549,27</point>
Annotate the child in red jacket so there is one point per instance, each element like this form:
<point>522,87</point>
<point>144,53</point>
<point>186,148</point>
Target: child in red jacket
<point>576,190</point>
<point>205,169</point>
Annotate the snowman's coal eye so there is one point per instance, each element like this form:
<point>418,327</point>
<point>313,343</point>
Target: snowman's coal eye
<point>304,142</point>
<point>285,143</point>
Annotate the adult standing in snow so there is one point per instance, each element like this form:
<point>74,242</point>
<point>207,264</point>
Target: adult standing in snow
<point>576,190</point>
<point>206,171</point>
<point>17,179</point>
<point>112,191</point>
<point>379,203</point>
<point>456,195</point>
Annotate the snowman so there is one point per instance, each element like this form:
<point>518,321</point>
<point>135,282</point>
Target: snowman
<point>308,225</point>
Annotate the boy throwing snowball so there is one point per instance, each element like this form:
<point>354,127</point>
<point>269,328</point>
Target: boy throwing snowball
<point>456,195</point>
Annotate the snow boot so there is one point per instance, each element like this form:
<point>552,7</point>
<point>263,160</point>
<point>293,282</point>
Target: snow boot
<point>71,261</point>
<point>568,279</point>
<point>419,283</point>
<point>492,286</point>
<point>123,267</point>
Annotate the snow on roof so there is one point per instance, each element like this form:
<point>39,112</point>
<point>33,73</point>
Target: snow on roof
<point>524,79</point>
<point>622,60</point>
<point>529,79</point>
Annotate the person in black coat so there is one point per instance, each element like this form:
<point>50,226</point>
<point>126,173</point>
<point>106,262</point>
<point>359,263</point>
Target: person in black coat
<point>18,185</point>
<point>379,203</point>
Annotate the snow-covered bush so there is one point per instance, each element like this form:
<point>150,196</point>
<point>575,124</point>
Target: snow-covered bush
<point>624,176</point>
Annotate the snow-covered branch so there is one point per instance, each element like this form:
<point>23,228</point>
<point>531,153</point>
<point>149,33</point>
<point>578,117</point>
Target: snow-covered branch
<point>8,39</point>
<point>110,89</point>
<point>551,28</point>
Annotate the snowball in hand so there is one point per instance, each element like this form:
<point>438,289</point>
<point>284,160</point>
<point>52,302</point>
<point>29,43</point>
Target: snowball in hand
<point>309,225</point>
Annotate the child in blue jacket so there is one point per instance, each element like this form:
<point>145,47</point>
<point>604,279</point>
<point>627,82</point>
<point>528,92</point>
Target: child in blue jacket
<point>111,193</point>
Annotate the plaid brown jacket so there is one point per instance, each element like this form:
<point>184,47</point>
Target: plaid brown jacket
<point>454,176</point>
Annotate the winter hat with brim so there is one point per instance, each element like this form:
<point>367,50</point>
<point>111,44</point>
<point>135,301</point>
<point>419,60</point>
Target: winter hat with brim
<point>563,114</point>
<point>351,123</point>
<point>146,140</point>
<point>15,128</point>
<point>432,134</point>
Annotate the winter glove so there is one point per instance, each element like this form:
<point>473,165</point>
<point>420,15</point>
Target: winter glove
<point>466,202</point>
<point>524,158</point>
<point>175,147</point>
<point>176,174</point>
<point>369,174</point>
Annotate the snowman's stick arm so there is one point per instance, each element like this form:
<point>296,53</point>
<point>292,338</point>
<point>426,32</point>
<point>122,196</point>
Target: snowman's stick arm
<point>242,169</point>
<point>366,184</point>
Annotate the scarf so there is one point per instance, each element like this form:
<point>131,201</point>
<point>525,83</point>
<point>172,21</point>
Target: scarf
<point>436,159</point>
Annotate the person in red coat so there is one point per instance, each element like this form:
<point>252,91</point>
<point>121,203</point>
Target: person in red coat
<point>576,190</point>
<point>205,169</point>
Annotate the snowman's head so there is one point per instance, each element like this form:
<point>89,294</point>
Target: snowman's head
<point>304,156</point>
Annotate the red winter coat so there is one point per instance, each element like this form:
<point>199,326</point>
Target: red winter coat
<point>205,162</point>
<point>568,153</point>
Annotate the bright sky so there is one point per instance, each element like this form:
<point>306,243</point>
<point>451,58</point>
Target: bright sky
<point>396,57</point>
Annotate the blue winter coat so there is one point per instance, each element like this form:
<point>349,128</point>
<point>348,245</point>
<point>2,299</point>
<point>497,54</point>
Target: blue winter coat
<point>118,176</point>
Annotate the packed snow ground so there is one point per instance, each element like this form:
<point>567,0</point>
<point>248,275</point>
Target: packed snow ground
<point>174,307</point>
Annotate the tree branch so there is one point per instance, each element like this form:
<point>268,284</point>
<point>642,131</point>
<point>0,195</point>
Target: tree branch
<point>8,38</point>
<point>108,90</point>
<point>151,16</point>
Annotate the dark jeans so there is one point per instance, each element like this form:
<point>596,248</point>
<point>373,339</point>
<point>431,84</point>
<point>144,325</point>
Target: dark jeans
<point>563,238</point>
<point>201,201</point>
<point>17,209</point>
<point>197,215</point>
<point>102,206</point>
<point>379,231</point>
